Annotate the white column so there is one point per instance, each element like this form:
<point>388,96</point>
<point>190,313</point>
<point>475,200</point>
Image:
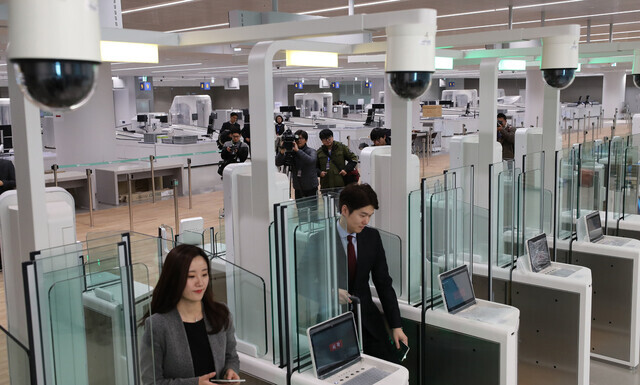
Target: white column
<point>613,88</point>
<point>263,167</point>
<point>401,122</point>
<point>487,133</point>
<point>551,135</point>
<point>32,217</point>
<point>534,93</point>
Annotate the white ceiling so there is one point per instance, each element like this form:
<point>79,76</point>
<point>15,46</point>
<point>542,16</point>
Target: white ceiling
<point>201,63</point>
<point>487,15</point>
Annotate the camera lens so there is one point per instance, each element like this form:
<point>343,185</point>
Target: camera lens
<point>409,84</point>
<point>56,85</point>
<point>560,78</point>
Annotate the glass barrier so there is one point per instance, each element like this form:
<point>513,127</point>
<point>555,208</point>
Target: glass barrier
<point>548,212</point>
<point>289,217</point>
<point>506,216</point>
<point>319,275</point>
<point>566,192</point>
<point>530,206</point>
<point>90,327</point>
<point>615,173</point>
<point>415,248</point>
<point>245,295</point>
<point>446,235</point>
<point>14,360</point>
<point>393,252</point>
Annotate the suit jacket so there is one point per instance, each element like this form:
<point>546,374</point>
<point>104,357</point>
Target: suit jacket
<point>373,261</point>
<point>170,358</point>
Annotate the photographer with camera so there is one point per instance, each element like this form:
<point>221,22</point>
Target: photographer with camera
<point>301,162</point>
<point>506,136</point>
<point>233,151</point>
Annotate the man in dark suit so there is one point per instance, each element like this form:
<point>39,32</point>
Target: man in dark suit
<point>363,250</point>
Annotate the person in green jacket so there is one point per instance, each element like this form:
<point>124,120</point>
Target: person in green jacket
<point>335,160</point>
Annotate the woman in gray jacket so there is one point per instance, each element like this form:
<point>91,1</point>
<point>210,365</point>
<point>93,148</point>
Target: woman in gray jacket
<point>189,338</point>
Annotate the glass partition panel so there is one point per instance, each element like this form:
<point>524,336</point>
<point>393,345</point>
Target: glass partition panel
<point>531,199</point>
<point>614,193</point>
<point>566,195</point>
<point>415,247</point>
<point>393,252</point>
<point>505,219</point>
<point>319,273</point>
<point>90,327</point>
<point>14,360</point>
<point>445,235</point>
<point>631,201</point>
<point>548,212</point>
<point>277,298</point>
<point>245,295</point>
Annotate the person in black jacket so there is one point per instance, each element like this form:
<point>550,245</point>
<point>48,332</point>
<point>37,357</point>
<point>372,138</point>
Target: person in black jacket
<point>225,130</point>
<point>7,175</point>
<point>302,159</point>
<point>233,151</point>
<point>357,204</point>
<point>506,136</point>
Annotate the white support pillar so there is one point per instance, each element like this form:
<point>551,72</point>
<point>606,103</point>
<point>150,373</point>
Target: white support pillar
<point>32,217</point>
<point>550,134</point>
<point>613,88</point>
<point>487,131</point>
<point>401,120</point>
<point>534,93</point>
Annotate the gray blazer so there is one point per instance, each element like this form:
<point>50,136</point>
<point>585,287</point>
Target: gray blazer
<point>170,359</point>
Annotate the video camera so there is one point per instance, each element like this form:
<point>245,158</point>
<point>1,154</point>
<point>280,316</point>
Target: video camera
<point>287,140</point>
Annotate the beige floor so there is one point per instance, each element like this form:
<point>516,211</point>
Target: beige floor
<point>148,216</point>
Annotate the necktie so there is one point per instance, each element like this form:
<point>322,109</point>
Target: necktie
<point>351,256</point>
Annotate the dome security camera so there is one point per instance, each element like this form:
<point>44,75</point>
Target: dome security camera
<point>559,60</point>
<point>55,51</point>
<point>635,71</point>
<point>410,60</point>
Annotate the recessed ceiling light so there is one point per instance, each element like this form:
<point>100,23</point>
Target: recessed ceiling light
<point>347,7</point>
<point>197,28</point>
<point>154,67</point>
<point>169,4</point>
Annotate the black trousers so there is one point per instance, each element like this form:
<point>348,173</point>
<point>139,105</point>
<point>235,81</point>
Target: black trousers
<point>379,346</point>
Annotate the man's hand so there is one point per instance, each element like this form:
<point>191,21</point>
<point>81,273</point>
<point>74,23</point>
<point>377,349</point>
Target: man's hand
<point>295,146</point>
<point>343,296</point>
<point>231,375</point>
<point>229,149</point>
<point>398,335</point>
<point>343,173</point>
<point>205,379</point>
<point>323,174</point>
<point>247,140</point>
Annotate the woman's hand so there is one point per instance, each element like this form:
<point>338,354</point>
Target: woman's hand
<point>231,375</point>
<point>204,380</point>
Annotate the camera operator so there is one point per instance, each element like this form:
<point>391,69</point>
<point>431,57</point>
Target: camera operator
<point>301,161</point>
<point>234,150</point>
<point>506,136</point>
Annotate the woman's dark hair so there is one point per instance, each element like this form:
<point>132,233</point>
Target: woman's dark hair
<point>281,119</point>
<point>172,281</point>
